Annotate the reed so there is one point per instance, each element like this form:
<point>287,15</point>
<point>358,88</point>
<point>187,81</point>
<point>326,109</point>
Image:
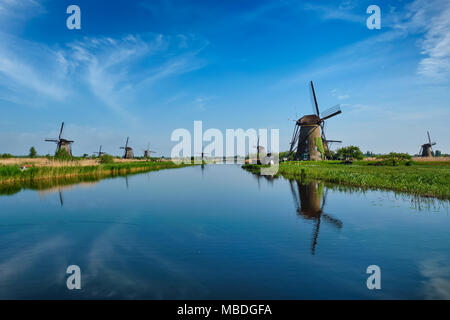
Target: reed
<point>13,173</point>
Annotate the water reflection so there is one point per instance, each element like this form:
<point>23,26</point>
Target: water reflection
<point>310,199</point>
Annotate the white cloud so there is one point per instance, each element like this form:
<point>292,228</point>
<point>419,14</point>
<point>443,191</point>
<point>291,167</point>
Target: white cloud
<point>21,69</point>
<point>432,19</point>
<point>115,69</point>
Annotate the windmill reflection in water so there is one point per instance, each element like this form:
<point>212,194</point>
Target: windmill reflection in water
<point>309,199</point>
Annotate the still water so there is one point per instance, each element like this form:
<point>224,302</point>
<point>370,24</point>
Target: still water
<point>220,232</point>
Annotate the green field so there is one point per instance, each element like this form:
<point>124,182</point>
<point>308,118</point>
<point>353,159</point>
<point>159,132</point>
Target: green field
<point>13,173</point>
<point>430,179</point>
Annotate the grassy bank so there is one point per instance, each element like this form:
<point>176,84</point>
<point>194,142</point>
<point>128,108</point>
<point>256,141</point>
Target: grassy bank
<point>430,179</point>
<point>13,173</point>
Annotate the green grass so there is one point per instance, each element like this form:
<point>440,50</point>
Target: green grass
<point>12,173</point>
<point>430,179</point>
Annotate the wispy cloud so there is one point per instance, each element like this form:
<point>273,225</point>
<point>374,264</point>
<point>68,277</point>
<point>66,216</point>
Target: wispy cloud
<point>115,68</point>
<point>21,69</point>
<point>339,11</point>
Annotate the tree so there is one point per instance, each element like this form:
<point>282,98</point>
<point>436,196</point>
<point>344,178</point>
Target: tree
<point>350,152</point>
<point>33,152</point>
<point>438,153</point>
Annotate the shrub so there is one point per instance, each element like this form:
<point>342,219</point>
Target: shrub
<point>106,159</point>
<point>395,159</point>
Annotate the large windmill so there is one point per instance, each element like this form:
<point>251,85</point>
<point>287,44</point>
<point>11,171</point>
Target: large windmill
<point>128,153</point>
<point>310,204</point>
<point>99,152</point>
<point>62,144</point>
<point>308,140</point>
<point>426,150</point>
<point>148,152</point>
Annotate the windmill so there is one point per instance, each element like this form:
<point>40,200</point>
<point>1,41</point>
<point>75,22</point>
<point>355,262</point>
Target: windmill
<point>62,144</point>
<point>99,152</point>
<point>128,153</point>
<point>426,150</point>
<point>310,204</point>
<point>308,140</point>
<point>259,151</point>
<point>147,152</point>
<point>203,154</point>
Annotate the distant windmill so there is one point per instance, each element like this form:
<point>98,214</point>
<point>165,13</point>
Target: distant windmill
<point>259,152</point>
<point>202,154</point>
<point>426,150</point>
<point>99,152</point>
<point>128,153</point>
<point>310,204</point>
<point>147,152</point>
<point>62,144</point>
<point>309,133</point>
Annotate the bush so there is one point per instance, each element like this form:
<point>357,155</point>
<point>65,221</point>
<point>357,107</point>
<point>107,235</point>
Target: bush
<point>395,159</point>
<point>350,152</point>
<point>106,159</point>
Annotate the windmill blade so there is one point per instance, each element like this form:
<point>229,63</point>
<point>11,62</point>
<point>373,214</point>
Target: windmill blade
<point>324,199</point>
<point>126,144</point>
<point>61,199</point>
<point>52,140</point>
<point>334,141</point>
<point>315,237</point>
<point>60,132</point>
<point>315,99</point>
<point>295,137</point>
<point>429,139</point>
<point>334,221</point>
<point>331,112</point>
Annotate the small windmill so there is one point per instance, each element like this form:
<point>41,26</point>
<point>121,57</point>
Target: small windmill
<point>310,204</point>
<point>308,140</point>
<point>128,153</point>
<point>426,150</point>
<point>203,154</point>
<point>99,152</point>
<point>147,152</point>
<point>62,144</point>
<point>259,151</point>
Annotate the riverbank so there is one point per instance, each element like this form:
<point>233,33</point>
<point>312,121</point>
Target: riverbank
<point>65,169</point>
<point>429,179</point>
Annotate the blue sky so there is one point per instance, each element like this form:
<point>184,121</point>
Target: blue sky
<point>145,68</point>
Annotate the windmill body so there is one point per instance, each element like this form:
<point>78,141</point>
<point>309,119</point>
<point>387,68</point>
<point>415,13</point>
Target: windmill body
<point>128,151</point>
<point>426,149</point>
<point>99,152</point>
<point>62,144</point>
<point>308,140</point>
